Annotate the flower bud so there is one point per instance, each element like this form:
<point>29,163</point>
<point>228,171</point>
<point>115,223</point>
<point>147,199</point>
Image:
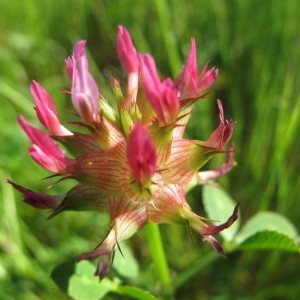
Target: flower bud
<point>141,154</point>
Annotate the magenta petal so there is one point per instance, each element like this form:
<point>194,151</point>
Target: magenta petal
<point>71,61</point>
<point>126,51</point>
<point>85,96</point>
<point>161,95</point>
<point>151,83</point>
<point>85,93</point>
<point>169,102</point>
<point>207,78</point>
<point>130,62</point>
<point>43,101</point>
<point>78,51</point>
<point>186,81</point>
<point>44,151</point>
<point>141,154</point>
<point>46,110</point>
<point>222,134</point>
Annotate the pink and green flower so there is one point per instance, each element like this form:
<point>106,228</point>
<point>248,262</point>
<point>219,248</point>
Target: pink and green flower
<point>133,163</point>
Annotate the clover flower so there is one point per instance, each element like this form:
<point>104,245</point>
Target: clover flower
<point>133,163</point>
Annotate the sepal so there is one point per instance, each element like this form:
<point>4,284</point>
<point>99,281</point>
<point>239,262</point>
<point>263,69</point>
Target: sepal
<point>126,219</point>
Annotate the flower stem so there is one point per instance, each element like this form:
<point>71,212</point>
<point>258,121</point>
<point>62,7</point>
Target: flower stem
<point>158,253</point>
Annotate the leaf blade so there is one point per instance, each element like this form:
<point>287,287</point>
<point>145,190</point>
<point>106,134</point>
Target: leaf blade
<point>266,220</point>
<point>269,240</point>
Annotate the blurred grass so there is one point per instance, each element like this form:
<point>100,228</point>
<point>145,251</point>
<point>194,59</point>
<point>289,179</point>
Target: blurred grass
<point>255,44</point>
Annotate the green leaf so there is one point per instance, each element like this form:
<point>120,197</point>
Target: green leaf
<point>219,206</point>
<point>266,220</point>
<point>62,273</point>
<point>268,240</point>
<point>76,279</point>
<point>135,293</point>
<point>125,263</point>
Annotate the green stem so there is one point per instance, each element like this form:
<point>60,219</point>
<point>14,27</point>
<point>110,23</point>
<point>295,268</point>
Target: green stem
<point>158,253</point>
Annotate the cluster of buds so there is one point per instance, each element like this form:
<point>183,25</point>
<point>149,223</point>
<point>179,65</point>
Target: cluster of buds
<point>133,162</point>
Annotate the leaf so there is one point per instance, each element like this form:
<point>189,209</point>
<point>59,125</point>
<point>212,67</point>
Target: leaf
<point>76,279</point>
<point>219,206</point>
<point>267,240</point>
<point>62,273</point>
<point>266,221</point>
<point>135,293</point>
<point>126,264</point>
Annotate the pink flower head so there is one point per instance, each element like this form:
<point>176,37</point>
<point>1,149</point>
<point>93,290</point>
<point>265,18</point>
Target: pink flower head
<point>129,60</point>
<point>141,154</point>
<point>132,162</point>
<point>44,150</point>
<point>46,111</point>
<point>161,95</point>
<point>85,93</point>
<point>188,84</point>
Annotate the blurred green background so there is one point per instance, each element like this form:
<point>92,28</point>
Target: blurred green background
<point>256,47</point>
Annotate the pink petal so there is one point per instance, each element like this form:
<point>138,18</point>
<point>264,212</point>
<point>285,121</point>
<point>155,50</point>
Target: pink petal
<point>169,102</point>
<point>141,154</point>
<point>126,51</point>
<point>222,133</point>
<point>85,93</point>
<point>46,110</point>
<point>186,81</point>
<point>207,78</point>
<point>161,95</point>
<point>44,151</point>
<point>71,61</point>
<point>129,60</point>
<point>151,83</point>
